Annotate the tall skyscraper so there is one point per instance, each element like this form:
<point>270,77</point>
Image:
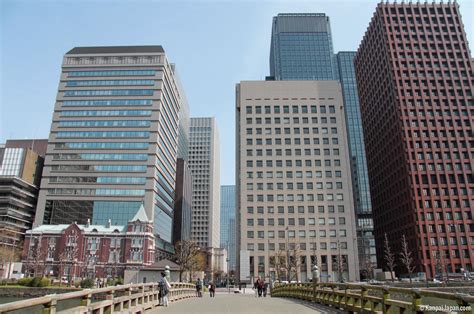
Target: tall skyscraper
<point>301,47</point>
<point>228,235</point>
<point>360,179</point>
<point>182,202</point>
<point>293,182</point>
<point>113,140</point>
<point>21,165</point>
<point>415,82</point>
<point>205,169</point>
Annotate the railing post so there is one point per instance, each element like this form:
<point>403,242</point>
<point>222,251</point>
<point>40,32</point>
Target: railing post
<point>363,297</point>
<point>461,300</point>
<point>50,307</point>
<point>387,308</point>
<point>416,301</point>
<point>86,300</point>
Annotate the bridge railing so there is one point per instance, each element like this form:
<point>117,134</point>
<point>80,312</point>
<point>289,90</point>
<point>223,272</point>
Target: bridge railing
<point>136,298</point>
<point>362,298</point>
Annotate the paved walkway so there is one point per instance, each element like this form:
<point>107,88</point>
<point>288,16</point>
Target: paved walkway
<point>225,303</point>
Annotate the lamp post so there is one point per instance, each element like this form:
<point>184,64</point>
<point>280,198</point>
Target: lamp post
<point>167,273</point>
<point>288,268</point>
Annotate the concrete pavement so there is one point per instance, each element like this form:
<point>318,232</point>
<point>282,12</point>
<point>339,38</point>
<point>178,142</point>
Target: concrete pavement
<point>225,303</point>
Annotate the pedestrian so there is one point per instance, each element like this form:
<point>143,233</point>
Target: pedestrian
<point>212,290</point>
<point>199,287</point>
<point>265,288</point>
<point>260,288</point>
<point>164,287</point>
<point>255,286</point>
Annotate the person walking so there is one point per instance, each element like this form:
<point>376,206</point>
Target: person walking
<point>164,287</point>
<point>212,290</point>
<point>265,288</point>
<point>199,287</point>
<point>260,288</point>
<point>255,286</point>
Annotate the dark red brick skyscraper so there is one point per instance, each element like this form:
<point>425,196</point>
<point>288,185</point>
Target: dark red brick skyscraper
<point>415,85</point>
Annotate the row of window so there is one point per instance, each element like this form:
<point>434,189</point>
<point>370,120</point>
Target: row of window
<point>111,102</point>
<point>322,245</point>
<point>291,234</point>
<point>103,134</point>
<point>110,83</point>
<point>291,221</point>
<point>300,209</point>
<point>297,197</point>
<point>106,123</point>
<point>287,131</point>
<point>100,156</point>
<point>104,113</point>
<point>446,216</point>
<point>105,192</point>
<point>290,174</point>
<point>99,168</point>
<point>288,163</point>
<point>287,109</point>
<point>105,180</point>
<point>111,73</point>
<point>295,120</point>
<point>112,92</point>
<point>103,145</point>
<point>292,186</point>
<point>288,151</point>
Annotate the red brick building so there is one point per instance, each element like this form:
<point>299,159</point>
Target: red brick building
<point>89,250</point>
<point>415,82</point>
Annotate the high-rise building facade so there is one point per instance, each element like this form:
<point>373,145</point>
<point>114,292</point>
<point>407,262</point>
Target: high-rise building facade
<point>113,140</point>
<point>360,178</point>
<point>205,169</point>
<point>182,202</point>
<point>21,165</point>
<point>415,82</point>
<point>301,47</point>
<point>228,235</point>
<point>293,182</point>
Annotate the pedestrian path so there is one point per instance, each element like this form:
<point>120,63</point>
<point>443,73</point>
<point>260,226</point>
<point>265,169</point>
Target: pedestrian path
<point>225,303</point>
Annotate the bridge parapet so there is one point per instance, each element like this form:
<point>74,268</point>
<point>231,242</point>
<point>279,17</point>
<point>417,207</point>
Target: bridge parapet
<point>132,298</point>
<point>363,298</point>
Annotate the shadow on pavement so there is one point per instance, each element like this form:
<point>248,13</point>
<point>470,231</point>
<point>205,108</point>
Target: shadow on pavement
<point>316,306</point>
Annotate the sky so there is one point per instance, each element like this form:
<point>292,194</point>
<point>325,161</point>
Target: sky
<point>214,44</point>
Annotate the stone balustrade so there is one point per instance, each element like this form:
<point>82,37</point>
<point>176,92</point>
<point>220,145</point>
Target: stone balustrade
<point>363,298</point>
<point>132,298</point>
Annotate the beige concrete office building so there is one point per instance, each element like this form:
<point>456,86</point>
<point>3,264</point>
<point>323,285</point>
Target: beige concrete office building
<point>204,162</point>
<point>294,195</point>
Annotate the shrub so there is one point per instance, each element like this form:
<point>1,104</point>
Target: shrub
<point>118,281</point>
<point>39,282</point>
<point>25,281</point>
<point>87,283</point>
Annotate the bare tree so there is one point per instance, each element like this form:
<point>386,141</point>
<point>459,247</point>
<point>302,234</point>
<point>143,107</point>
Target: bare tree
<point>294,262</point>
<point>369,267</point>
<point>186,256</point>
<point>340,263</point>
<point>389,256</point>
<point>278,263</point>
<point>406,258</point>
<point>35,256</point>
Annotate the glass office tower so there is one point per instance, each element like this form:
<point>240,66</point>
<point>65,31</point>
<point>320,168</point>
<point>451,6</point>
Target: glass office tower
<point>301,47</point>
<point>228,222</point>
<point>114,138</point>
<point>360,179</point>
